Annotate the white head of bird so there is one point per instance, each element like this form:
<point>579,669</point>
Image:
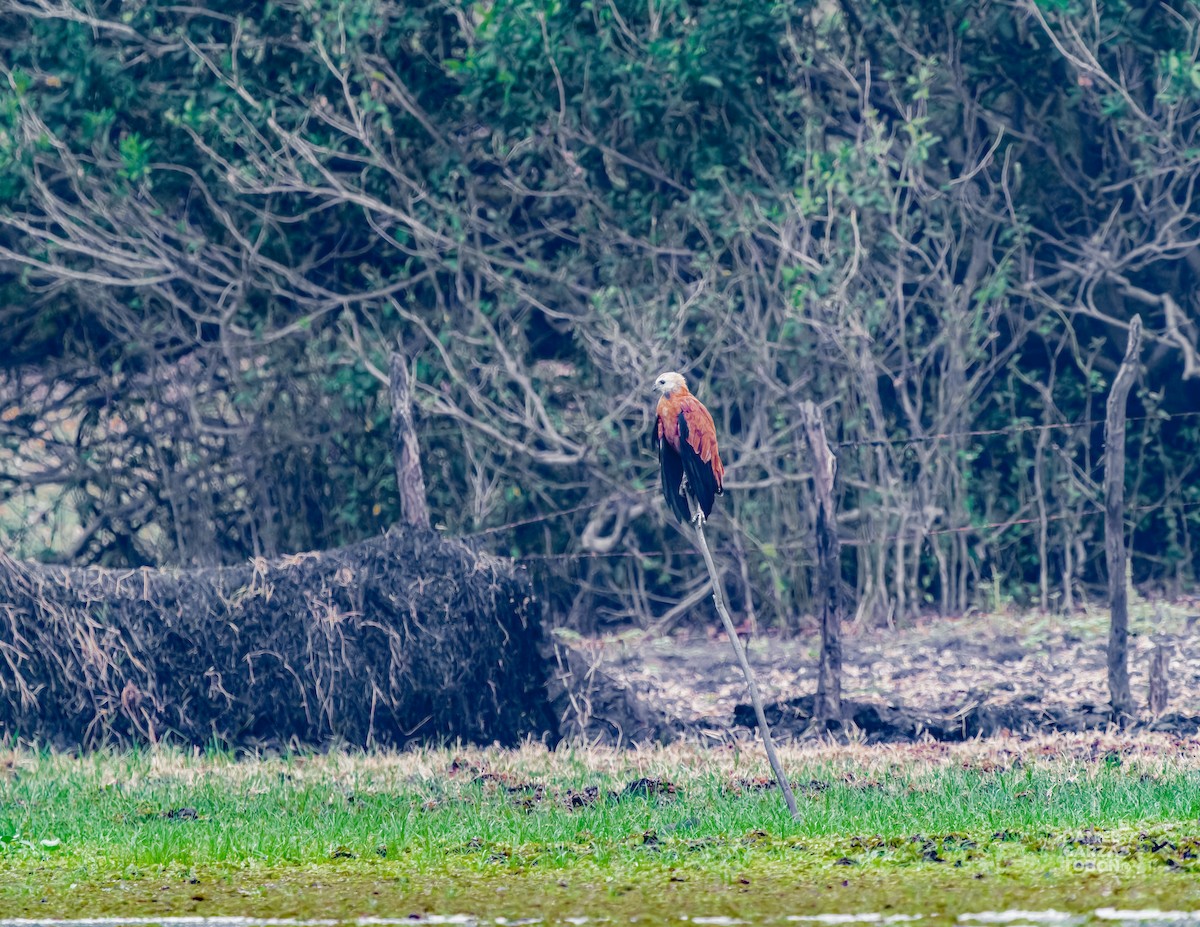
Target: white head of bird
<point>670,381</point>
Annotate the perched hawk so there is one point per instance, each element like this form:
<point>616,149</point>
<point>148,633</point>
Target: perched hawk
<point>687,447</point>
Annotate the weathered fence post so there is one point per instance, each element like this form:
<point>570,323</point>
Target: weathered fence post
<point>1160,665</point>
<point>405,448</point>
<point>1114,527</point>
<point>1160,668</point>
<point>828,579</point>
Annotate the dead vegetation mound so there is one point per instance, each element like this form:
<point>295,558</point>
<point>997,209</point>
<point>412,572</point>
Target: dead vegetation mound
<point>404,637</point>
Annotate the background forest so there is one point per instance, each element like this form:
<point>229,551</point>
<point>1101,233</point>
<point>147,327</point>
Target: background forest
<point>934,219</point>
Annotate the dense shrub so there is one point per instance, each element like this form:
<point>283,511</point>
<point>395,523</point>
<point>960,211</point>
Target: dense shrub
<point>935,219</point>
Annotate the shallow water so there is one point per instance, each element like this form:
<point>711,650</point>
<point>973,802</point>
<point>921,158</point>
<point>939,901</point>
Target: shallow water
<point>1101,917</point>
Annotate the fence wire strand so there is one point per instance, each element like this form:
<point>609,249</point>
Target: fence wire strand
<point>857,542</point>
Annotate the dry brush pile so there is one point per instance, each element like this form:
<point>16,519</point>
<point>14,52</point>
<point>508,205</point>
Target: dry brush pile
<point>401,637</point>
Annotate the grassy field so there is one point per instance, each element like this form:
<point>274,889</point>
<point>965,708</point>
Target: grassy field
<point>1074,823</point>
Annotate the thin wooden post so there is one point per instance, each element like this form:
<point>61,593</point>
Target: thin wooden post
<point>1114,527</point>
<point>827,583</point>
<point>719,599</point>
<point>1160,686</point>
<point>405,448</point>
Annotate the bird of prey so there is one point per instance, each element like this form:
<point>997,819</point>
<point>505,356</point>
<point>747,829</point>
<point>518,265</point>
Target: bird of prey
<point>687,448</point>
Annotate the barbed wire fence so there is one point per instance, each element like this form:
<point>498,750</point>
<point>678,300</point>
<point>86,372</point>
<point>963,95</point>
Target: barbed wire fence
<point>569,556</point>
<point>799,550</point>
<point>1131,515</point>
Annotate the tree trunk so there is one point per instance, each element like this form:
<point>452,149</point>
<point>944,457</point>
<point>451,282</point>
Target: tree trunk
<point>828,578</point>
<point>1114,528</point>
<point>405,448</point>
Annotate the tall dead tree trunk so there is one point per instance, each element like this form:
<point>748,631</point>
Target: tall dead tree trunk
<point>828,577</point>
<point>1114,527</point>
<point>405,448</point>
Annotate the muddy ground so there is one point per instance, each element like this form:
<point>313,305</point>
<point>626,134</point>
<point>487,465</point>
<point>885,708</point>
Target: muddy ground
<point>941,678</point>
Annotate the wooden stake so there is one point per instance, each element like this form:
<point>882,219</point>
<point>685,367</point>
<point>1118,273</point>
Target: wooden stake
<point>1114,527</point>
<point>719,598</point>
<point>405,448</point>
<point>1160,665</point>
<point>1160,668</point>
<point>828,580</point>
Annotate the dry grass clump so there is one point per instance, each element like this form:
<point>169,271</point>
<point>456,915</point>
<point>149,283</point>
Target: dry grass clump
<point>1148,754</point>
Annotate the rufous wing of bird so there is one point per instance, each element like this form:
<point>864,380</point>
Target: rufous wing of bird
<point>686,437</point>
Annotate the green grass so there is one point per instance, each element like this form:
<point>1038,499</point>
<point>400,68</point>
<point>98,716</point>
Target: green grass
<point>438,824</point>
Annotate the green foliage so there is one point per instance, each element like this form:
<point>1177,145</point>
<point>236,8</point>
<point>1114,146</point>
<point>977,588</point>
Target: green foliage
<point>933,218</point>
